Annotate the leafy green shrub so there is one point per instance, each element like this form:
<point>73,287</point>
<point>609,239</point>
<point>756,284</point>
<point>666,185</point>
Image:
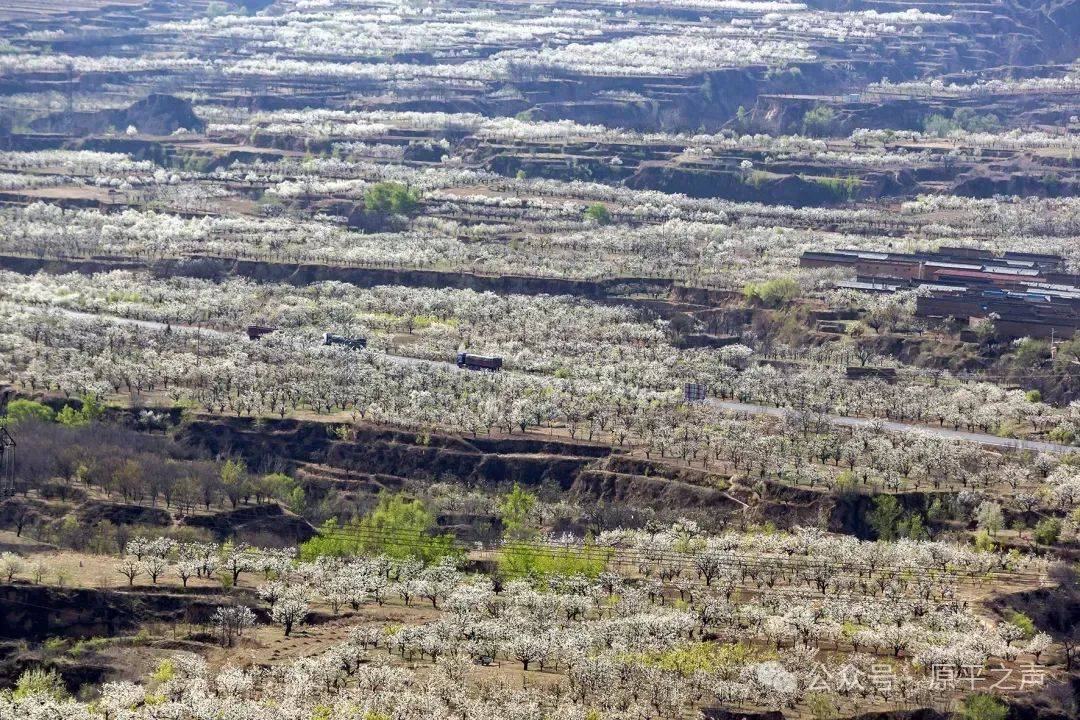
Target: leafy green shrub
<point>819,121</point>
<point>397,527</point>
<point>840,187</point>
<point>1028,352</point>
<point>165,672</point>
<point>39,681</point>
<point>773,293</point>
<point>937,124</point>
<point>709,657</point>
<point>598,213</point>
<point>1047,531</point>
<point>984,543</point>
<point>54,645</point>
<point>983,707</point>
<point>755,178</point>
<point>1009,429</point>
<point>516,511</point>
<point>962,119</point>
<point>1023,622</point>
<point>845,483</point>
<point>71,417</point>
<point>390,198</point>
<point>913,527</point>
<point>822,706</point>
<point>885,517</point>
<point>81,647</point>
<point>517,560</point>
<point>22,409</point>
<point>1063,434</point>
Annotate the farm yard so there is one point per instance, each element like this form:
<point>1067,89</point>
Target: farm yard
<point>584,359</point>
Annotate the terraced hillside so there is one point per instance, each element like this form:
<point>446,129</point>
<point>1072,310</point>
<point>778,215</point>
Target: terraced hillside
<point>577,359</point>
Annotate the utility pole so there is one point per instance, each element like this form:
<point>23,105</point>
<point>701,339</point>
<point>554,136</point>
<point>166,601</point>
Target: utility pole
<point>7,463</point>
<point>69,109</point>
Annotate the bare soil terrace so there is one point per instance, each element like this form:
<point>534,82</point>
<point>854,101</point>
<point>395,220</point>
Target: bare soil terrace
<point>13,10</point>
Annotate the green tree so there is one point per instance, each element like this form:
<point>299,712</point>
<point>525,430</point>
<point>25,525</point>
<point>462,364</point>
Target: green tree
<point>984,543</point>
<point>39,681</point>
<point>819,121</point>
<point>773,293</point>
<point>390,198</point>
<point>234,480</point>
<point>71,417</point>
<point>1024,622</point>
<point>525,559</point>
<point>937,511</point>
<point>989,517</point>
<point>1047,531</point>
<point>972,121</point>
<point>913,527</point>
<point>1068,354</point>
<point>92,407</point>
<point>983,707</point>
<point>598,213</point>
<point>777,292</point>
<point>845,483</point>
<point>284,489</point>
<point>21,409</point>
<point>516,510</point>
<point>397,527</point>
<point>938,125</point>
<point>1028,353</point>
<point>822,706</point>
<point>1063,434</point>
<point>742,119</point>
<point>885,517</point>
<point>962,119</point>
<point>165,672</point>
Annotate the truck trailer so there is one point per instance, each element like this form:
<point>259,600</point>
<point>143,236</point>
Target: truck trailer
<point>255,332</point>
<point>356,343</point>
<point>479,362</point>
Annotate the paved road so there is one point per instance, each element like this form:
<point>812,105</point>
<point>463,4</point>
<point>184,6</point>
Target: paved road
<point>946,433</point>
<point>227,335</point>
<point>729,405</point>
<point>148,324</point>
